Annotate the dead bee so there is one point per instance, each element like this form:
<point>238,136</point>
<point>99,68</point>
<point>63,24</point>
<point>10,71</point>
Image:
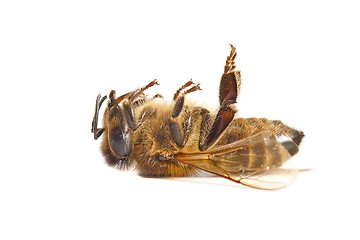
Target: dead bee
<point>178,139</point>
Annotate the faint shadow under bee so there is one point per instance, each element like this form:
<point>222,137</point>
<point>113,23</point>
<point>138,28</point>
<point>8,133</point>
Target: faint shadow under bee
<point>205,180</point>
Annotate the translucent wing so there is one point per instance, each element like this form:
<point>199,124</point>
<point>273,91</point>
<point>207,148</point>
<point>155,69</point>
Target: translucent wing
<point>272,179</point>
<point>253,161</point>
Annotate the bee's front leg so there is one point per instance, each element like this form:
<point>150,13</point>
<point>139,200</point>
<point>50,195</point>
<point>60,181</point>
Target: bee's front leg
<point>130,116</point>
<point>180,130</point>
<point>134,95</point>
<point>228,93</point>
<point>132,99</point>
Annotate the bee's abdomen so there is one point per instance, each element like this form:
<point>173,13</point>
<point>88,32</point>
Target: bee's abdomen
<point>250,126</point>
<point>258,156</point>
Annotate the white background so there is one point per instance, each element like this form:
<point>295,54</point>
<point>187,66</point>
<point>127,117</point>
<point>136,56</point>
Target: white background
<point>299,63</point>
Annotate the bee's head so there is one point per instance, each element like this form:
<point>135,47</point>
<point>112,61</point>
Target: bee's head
<point>118,133</point>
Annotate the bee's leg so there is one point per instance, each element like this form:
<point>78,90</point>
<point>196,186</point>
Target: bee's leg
<point>128,108</point>
<point>180,129</point>
<point>175,127</point>
<point>228,93</point>
<point>132,96</point>
<point>223,118</point>
<point>230,81</point>
<point>187,84</point>
<point>94,126</point>
<point>130,100</point>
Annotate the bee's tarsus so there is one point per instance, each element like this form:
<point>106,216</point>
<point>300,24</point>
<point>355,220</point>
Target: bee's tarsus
<point>230,60</point>
<point>186,85</point>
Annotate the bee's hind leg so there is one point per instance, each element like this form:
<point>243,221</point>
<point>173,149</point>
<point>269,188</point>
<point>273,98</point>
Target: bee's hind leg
<point>228,93</point>
<point>178,132</point>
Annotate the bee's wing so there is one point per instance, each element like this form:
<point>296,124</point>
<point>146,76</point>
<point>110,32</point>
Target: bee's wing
<point>272,179</point>
<point>228,161</point>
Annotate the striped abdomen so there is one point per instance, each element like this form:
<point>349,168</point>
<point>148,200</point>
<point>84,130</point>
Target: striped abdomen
<point>260,154</point>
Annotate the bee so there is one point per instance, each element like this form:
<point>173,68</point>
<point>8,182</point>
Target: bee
<point>181,139</point>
